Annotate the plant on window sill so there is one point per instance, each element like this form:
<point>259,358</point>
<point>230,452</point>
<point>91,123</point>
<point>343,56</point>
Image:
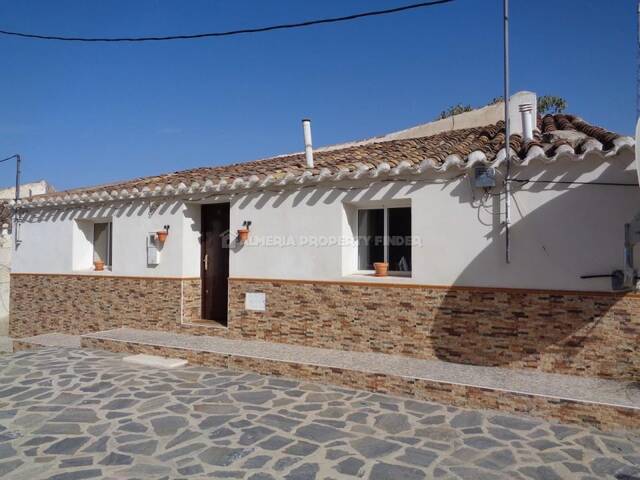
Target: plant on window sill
<point>382,269</point>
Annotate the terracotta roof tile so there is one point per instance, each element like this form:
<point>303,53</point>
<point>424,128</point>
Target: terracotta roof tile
<point>553,132</point>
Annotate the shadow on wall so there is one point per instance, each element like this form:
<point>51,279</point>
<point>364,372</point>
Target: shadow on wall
<point>311,196</point>
<point>579,230</point>
<point>125,209</point>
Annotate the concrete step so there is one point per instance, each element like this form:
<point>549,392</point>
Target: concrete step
<point>605,404</point>
<point>47,340</point>
<point>155,361</point>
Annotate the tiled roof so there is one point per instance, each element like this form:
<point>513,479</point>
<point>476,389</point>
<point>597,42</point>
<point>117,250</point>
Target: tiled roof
<point>556,136</point>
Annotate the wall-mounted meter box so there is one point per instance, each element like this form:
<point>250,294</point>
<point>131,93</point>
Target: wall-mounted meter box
<point>153,254</point>
<point>256,301</point>
<point>484,177</point>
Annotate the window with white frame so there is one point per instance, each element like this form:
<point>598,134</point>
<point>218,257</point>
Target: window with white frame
<point>384,235</point>
<point>102,242</point>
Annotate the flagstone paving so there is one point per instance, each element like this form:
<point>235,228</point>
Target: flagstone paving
<point>70,414</point>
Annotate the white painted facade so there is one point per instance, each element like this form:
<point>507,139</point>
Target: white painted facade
<point>559,231</point>
<point>61,241</point>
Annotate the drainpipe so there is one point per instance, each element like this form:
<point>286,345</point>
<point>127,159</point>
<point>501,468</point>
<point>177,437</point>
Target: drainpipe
<point>308,147</point>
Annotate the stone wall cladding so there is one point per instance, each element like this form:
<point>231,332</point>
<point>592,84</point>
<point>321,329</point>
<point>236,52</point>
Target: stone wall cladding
<point>78,304</point>
<point>604,417</point>
<point>578,333</point>
<point>191,300</point>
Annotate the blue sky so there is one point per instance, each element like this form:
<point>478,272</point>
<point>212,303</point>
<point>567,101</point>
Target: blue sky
<point>84,114</point>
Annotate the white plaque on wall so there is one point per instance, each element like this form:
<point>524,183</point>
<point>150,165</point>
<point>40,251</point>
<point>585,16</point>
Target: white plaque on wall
<point>255,301</point>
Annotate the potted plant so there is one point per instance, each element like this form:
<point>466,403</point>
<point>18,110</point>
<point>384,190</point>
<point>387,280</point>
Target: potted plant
<point>243,234</point>
<point>98,265</point>
<point>382,268</point>
<point>161,235</point>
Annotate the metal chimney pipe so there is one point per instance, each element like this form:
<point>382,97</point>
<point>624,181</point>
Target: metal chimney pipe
<point>526,110</point>
<point>308,145</point>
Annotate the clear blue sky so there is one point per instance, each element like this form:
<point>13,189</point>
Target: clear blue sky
<point>83,114</point>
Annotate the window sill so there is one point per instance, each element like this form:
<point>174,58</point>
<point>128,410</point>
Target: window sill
<point>370,277</point>
<point>106,271</point>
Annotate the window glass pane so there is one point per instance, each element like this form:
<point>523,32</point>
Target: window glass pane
<point>399,239</point>
<point>102,242</point>
<point>370,238</point>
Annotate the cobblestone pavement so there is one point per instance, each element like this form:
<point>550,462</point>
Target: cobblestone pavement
<point>76,414</point>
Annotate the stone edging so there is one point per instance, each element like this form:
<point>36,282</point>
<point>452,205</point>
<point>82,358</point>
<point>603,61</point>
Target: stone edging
<point>605,417</point>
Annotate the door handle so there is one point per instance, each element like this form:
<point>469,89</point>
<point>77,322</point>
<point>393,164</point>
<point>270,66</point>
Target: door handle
<point>206,261</point>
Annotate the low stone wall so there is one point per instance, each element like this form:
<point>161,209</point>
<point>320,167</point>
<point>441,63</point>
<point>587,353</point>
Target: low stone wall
<point>578,333</point>
<point>19,346</point>
<point>602,416</point>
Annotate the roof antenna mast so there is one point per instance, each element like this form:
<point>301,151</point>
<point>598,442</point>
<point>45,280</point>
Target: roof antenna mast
<point>507,135</point>
<point>638,67</point>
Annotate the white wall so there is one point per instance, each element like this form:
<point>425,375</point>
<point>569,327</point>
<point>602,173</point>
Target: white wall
<point>82,244</point>
<point>58,241</point>
<point>559,231</point>
<point>191,241</point>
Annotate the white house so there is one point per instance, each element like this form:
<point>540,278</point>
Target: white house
<point>305,276</point>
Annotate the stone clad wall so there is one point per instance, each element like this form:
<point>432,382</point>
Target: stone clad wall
<point>191,300</point>
<point>86,303</point>
<point>580,333</point>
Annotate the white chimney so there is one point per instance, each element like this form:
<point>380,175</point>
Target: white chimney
<point>526,112</point>
<point>308,146</point>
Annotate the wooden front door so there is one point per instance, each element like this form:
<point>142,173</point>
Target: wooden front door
<point>214,265</point>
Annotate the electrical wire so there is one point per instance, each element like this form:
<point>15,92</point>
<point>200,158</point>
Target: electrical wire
<point>8,158</point>
<point>565,182</point>
<point>229,33</point>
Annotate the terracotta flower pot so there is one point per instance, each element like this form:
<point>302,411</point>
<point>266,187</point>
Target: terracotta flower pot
<point>161,235</point>
<point>243,234</point>
<point>382,268</point>
<point>98,265</point>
